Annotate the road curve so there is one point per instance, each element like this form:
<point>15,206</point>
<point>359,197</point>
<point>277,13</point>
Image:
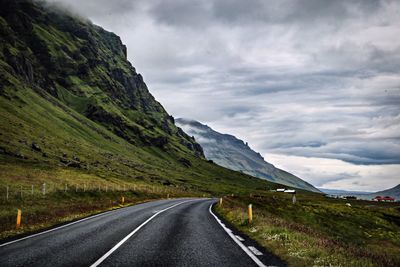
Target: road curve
<point>179,232</point>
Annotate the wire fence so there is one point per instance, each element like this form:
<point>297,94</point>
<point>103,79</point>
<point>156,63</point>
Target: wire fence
<point>20,192</point>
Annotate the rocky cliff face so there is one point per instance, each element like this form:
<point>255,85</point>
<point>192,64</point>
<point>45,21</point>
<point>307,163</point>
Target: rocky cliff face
<point>230,152</point>
<point>80,66</point>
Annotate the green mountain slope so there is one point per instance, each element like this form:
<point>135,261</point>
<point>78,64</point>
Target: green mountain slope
<point>69,99</point>
<point>230,152</point>
<point>79,65</point>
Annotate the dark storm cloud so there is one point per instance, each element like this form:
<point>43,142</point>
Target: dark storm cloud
<point>314,79</point>
<point>236,12</point>
<point>181,13</point>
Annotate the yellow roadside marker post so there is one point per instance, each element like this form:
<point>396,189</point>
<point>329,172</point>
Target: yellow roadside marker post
<point>18,219</point>
<point>122,200</point>
<point>220,202</point>
<point>250,213</point>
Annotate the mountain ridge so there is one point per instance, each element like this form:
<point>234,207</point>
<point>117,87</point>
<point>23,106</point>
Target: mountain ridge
<point>231,152</point>
<point>391,192</point>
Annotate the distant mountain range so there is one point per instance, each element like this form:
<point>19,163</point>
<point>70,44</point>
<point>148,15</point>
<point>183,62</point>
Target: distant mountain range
<point>228,151</point>
<point>342,192</point>
<point>391,192</point>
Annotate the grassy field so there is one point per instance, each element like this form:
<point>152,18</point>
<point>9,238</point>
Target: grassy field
<point>318,231</point>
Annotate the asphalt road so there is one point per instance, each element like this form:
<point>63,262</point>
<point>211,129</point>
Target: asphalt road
<point>179,232</point>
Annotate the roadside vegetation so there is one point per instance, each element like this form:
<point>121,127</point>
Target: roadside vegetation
<point>318,231</point>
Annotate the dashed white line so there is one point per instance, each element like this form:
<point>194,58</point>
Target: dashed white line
<point>243,247</point>
<point>105,256</point>
<point>255,251</point>
<point>239,238</point>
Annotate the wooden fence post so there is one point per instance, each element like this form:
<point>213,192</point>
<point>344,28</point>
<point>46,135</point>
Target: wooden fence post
<point>44,189</point>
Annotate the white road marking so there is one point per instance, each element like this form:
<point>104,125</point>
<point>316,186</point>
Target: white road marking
<point>59,227</point>
<point>255,251</point>
<point>243,247</point>
<point>105,256</point>
<point>239,238</point>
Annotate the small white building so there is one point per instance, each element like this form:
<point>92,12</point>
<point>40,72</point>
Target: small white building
<point>280,190</point>
<point>290,191</point>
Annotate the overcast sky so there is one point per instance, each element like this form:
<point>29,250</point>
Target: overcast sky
<point>314,85</point>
